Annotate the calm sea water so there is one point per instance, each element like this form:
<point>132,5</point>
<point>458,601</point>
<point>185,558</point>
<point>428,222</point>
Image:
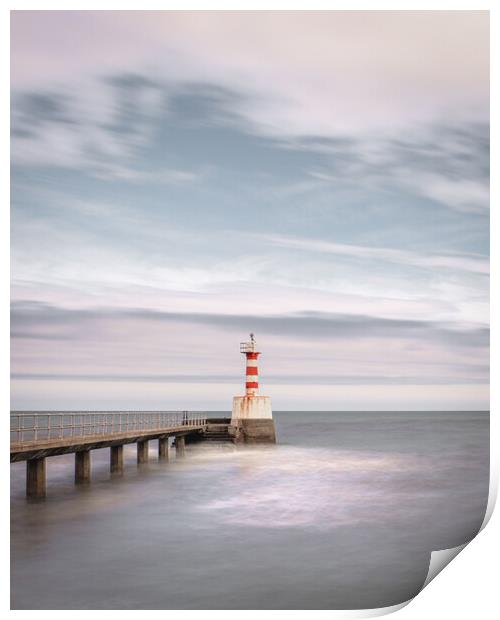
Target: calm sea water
<point>343,513</point>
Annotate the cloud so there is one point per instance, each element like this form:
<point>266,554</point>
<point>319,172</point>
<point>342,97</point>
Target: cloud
<point>132,129</point>
<point>474,377</point>
<point>129,128</point>
<point>461,194</point>
<point>473,264</point>
<point>41,317</point>
<point>169,251</point>
<point>307,73</point>
<point>98,127</point>
<point>446,163</point>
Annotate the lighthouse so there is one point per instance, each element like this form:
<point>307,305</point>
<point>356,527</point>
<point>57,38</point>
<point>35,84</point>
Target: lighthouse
<point>252,416</point>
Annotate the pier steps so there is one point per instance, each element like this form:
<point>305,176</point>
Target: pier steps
<point>217,432</point>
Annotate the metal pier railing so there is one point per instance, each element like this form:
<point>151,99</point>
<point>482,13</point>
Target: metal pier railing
<point>35,427</point>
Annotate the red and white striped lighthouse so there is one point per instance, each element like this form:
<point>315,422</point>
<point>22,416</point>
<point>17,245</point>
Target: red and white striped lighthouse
<point>252,406</point>
<point>252,378</point>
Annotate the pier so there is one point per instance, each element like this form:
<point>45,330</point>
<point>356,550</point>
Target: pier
<point>37,436</point>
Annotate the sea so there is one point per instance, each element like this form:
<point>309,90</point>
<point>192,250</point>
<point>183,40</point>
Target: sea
<point>343,513</point>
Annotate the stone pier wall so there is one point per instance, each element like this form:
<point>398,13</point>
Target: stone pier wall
<point>253,431</point>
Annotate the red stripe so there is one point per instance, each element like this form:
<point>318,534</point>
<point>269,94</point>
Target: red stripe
<point>252,370</point>
<point>252,384</point>
<point>252,356</point>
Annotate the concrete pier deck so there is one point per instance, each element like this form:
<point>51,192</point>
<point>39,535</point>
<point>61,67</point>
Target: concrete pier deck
<point>36,436</point>
<point>38,449</point>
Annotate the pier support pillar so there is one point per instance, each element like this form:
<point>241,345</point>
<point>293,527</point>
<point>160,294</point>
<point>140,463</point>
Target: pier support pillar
<point>82,467</point>
<point>116,461</point>
<point>142,452</point>
<point>163,449</point>
<point>180,447</point>
<point>35,478</point>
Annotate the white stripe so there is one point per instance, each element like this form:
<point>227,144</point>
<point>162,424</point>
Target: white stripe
<point>253,378</point>
<point>251,362</point>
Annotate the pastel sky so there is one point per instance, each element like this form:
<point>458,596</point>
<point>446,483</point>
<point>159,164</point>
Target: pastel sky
<point>180,179</point>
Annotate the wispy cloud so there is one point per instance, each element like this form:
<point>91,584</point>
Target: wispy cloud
<point>99,131</point>
<point>353,72</point>
<point>472,377</point>
<point>445,163</point>
<point>461,194</point>
<point>473,264</point>
<point>44,319</point>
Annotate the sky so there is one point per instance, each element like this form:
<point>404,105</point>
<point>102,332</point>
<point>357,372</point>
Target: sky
<point>181,179</point>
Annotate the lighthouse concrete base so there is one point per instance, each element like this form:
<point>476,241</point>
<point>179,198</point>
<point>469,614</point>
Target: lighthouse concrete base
<point>252,407</point>
<point>252,420</point>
